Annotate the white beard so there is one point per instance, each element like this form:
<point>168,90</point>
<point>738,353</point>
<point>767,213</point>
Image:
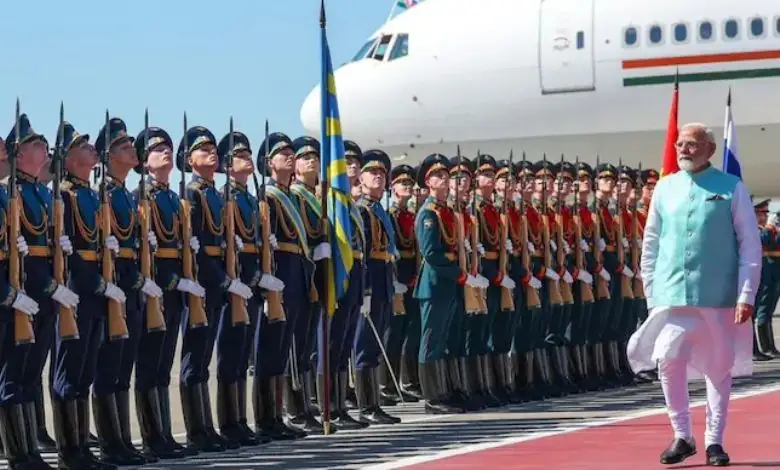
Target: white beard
<point>686,165</point>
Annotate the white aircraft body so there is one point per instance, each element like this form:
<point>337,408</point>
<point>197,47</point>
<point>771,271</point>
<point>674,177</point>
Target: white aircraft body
<point>582,78</point>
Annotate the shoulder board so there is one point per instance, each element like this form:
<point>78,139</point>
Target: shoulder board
<point>66,185</point>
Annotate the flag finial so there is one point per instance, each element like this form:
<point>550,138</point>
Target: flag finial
<point>322,13</point>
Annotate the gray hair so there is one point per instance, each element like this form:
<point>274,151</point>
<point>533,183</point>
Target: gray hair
<point>701,127</point>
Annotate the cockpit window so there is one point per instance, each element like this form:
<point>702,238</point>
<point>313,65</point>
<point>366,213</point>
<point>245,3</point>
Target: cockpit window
<point>381,49</point>
<point>401,47</point>
<point>361,54</point>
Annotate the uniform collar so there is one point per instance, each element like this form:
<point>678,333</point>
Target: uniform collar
<point>311,189</point>
<point>239,186</point>
<point>436,202</point>
<point>76,181</point>
<point>115,181</point>
<point>22,176</point>
<point>155,184</point>
<point>202,180</point>
<point>367,198</point>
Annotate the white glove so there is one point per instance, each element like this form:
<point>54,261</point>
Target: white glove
<point>638,275</point>
<point>21,245</point>
<point>240,289</point>
<point>399,288</point>
<point>566,247</point>
<point>625,242</point>
<point>115,293</point>
<point>483,281</point>
<point>25,304</point>
<point>472,281</point>
<point>531,247</point>
<point>553,246</point>
<point>584,245</point>
<point>66,245</point>
<point>508,283</point>
<point>509,247</point>
<point>272,283</point>
<point>239,243</point>
<point>480,249</point>
<point>190,286</point>
<point>605,275</point>
<point>321,252</point>
<point>273,242</point>
<point>585,277</point>
<point>365,309</point>
<point>111,243</point>
<point>551,275</point>
<point>65,297</point>
<point>628,272</point>
<point>535,283</point>
<point>152,240</point>
<point>151,288</point>
<point>602,244</point>
<point>567,277</point>
<point>638,241</point>
<point>194,245</point>
<point>467,245</point>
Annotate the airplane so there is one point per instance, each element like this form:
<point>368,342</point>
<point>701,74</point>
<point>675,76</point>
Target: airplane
<point>582,78</point>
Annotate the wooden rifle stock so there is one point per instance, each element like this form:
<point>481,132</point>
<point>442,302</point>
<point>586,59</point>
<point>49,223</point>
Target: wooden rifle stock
<point>238,311</point>
<point>531,294</point>
<point>602,288</point>
<point>275,311</point>
<point>155,321</point>
<point>638,288</point>
<point>117,324</point>
<point>625,282</point>
<point>23,327</point>
<point>470,294</point>
<point>197,312</point>
<point>479,293</point>
<point>66,324</point>
<point>553,291</point>
<point>507,296</point>
<point>560,254</point>
<point>586,292</point>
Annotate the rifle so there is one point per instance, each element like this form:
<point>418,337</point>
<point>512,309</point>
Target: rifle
<point>638,288</point>
<point>274,309</point>
<point>553,291</point>
<point>560,254</point>
<point>67,327</point>
<point>470,295</point>
<point>602,288</point>
<point>586,292</point>
<point>23,327</point>
<point>625,282</point>
<point>531,295</point>
<point>197,314</point>
<point>155,321</point>
<point>507,299</point>
<point>117,324</point>
<point>479,292</point>
<point>238,312</point>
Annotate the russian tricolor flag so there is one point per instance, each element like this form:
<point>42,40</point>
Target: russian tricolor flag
<point>730,159</point>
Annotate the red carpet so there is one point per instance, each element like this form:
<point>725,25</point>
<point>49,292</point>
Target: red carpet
<point>751,441</point>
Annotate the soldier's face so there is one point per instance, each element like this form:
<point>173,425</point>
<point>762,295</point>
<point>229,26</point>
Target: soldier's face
<point>307,164</point>
<point>564,184</point>
<point>283,160</point>
<point>124,154</point>
<point>584,185</point>
<point>606,185</point>
<point>460,183</point>
<point>403,188</point>
<point>625,187</point>
<point>438,181</point>
<point>763,216</point>
<point>84,155</point>
<point>647,191</point>
<point>486,180</point>
<point>242,163</point>
<point>204,157</point>
<point>160,158</point>
<point>35,153</point>
<point>545,185</point>
<point>353,169</point>
<point>374,179</point>
<point>504,189</point>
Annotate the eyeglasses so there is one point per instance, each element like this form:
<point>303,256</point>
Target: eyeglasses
<point>691,144</point>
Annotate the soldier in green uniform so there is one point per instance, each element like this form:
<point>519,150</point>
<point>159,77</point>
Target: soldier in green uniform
<point>769,288</point>
<point>440,273</point>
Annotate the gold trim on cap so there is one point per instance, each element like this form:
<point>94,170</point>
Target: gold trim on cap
<point>434,167</point>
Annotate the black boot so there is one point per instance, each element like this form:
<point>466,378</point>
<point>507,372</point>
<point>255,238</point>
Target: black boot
<point>209,421</point>
<point>148,412</point>
<point>31,429</point>
<point>771,337</point>
<point>14,436</point>
<point>534,388</point>
<point>380,416</point>
<point>67,433</point>
<point>165,420</point>
<point>485,374</point>
<point>758,356</point>
<point>268,417</point>
<point>410,377</point>
<point>45,443</point>
<point>249,438</point>
<point>764,339</point>
<point>123,409</point>
<point>509,377</point>
<point>320,387</point>
<point>89,459</point>
<point>227,412</point>
<point>112,446</point>
<point>388,394</point>
<point>429,378</point>
<point>195,421</point>
<point>367,391</point>
<point>470,384</point>
<point>295,404</point>
<point>341,417</point>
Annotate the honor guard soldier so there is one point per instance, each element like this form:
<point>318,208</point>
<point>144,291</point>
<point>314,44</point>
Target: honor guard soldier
<point>17,420</point>
<point>769,288</point>
<point>198,151</point>
<point>344,321</point>
<point>468,390</point>
<point>156,349</point>
<point>352,153</point>
<point>628,320</point>
<point>504,200</point>
<point>405,321</point>
<point>436,288</point>
<point>381,285</point>
<point>527,334</point>
<point>30,150</point>
<point>300,411</point>
<point>646,180</point>
<point>75,358</point>
<point>111,399</point>
<point>294,268</point>
<point>235,341</point>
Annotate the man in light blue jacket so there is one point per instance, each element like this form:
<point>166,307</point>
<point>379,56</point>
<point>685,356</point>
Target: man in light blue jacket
<point>701,266</point>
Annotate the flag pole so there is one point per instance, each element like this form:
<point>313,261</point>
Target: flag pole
<point>324,190</point>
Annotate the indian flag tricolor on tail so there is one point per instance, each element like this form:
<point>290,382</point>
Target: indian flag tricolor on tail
<point>669,160</point>
<point>406,4</point>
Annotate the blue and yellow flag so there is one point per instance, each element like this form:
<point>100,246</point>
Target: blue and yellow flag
<point>334,172</point>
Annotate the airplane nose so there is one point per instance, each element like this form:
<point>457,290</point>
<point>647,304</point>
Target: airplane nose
<point>310,112</point>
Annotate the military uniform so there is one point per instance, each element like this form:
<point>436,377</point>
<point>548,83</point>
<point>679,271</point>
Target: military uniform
<point>379,289</point>
<point>436,287</point>
<point>206,206</point>
<point>156,349</point>
<point>628,319</point>
<point>768,289</point>
<point>111,400</point>
<point>294,268</point>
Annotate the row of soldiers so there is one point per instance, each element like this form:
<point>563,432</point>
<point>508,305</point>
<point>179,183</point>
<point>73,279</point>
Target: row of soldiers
<point>768,294</point>
<point>485,283</point>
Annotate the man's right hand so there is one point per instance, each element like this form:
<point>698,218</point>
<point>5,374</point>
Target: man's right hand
<point>65,297</point>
